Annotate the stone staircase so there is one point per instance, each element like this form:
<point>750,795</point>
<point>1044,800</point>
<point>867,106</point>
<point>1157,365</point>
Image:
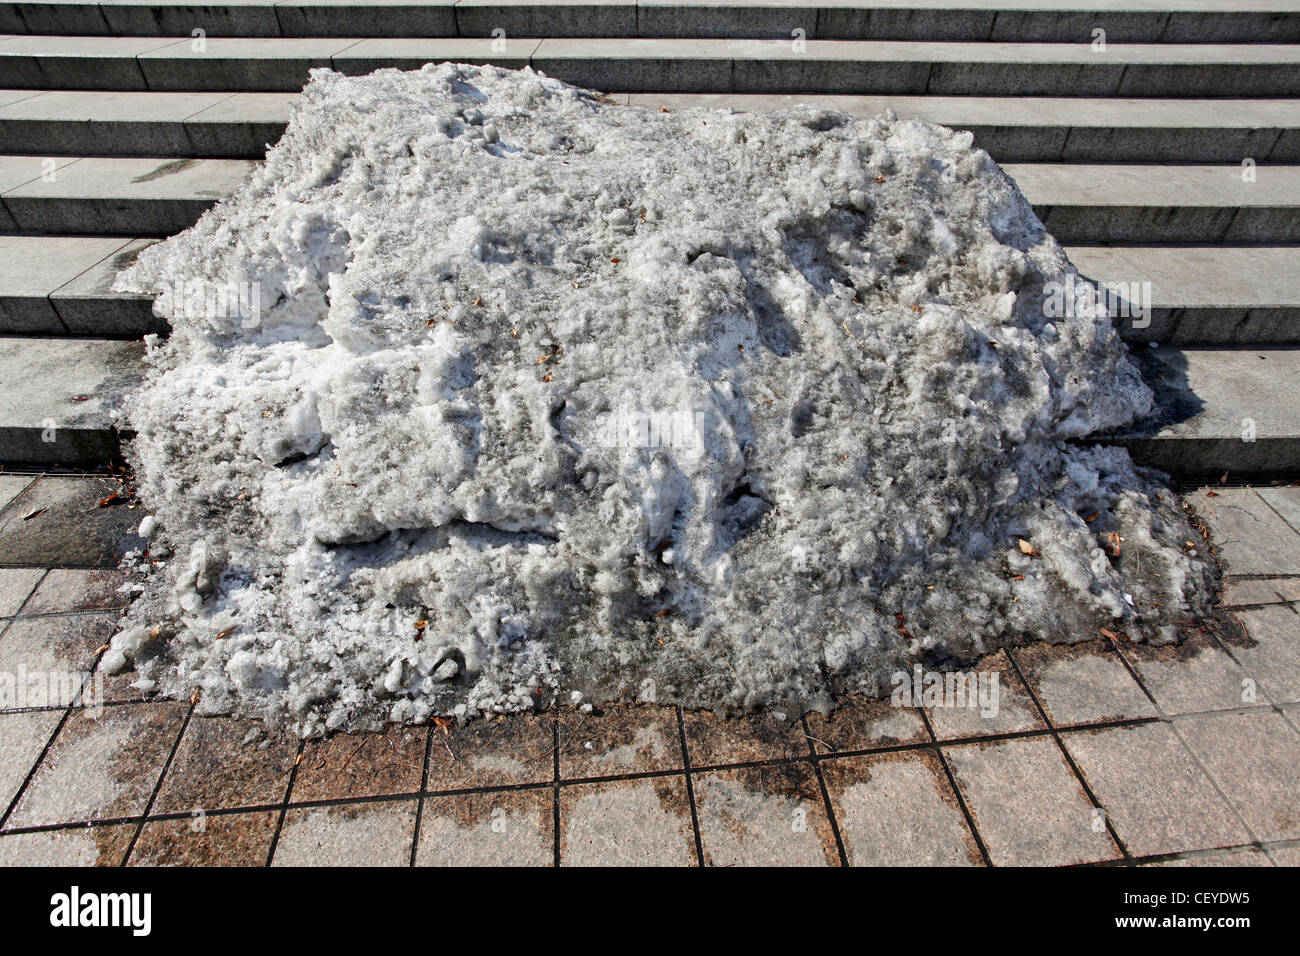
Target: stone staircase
<point>122,121</point>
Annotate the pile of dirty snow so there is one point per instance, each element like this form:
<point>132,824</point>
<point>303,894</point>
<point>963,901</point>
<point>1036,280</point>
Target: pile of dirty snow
<point>517,394</point>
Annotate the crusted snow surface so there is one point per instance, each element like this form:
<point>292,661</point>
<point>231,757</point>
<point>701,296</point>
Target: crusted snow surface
<point>548,397</point>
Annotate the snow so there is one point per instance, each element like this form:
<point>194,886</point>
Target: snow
<point>519,396</point>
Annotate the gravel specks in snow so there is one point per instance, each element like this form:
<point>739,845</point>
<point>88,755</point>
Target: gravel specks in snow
<point>544,397</point>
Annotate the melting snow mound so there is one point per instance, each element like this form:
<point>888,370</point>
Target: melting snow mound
<point>516,394</point>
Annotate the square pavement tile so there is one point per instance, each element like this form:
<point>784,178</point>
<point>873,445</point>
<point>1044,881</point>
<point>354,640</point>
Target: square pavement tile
<point>77,589</point>
<point>492,753</point>
<point>621,741</point>
<point>254,767</point>
<point>1246,857</point>
<point>1285,500</point>
<point>16,586</point>
<point>1027,805</point>
<point>67,527</point>
<point>1242,593</point>
<point>62,648</point>
<point>101,767</point>
<point>989,698</point>
<point>353,834</point>
<point>764,816</point>
<point>1271,654</point>
<point>898,809</point>
<point>233,839</point>
<point>1287,588</point>
<point>1284,855</point>
<point>362,764</point>
<point>75,846</point>
<point>1253,756</point>
<point>1196,675</point>
<point>507,828</point>
<point>22,740</point>
<point>11,486</point>
<point>866,724</point>
<point>1252,538</point>
<point>1157,798</point>
<point>1082,683</point>
<point>712,739</point>
<point>627,823</point>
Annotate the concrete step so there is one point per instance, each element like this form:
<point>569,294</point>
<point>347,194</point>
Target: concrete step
<point>671,65</point>
<point>1136,21</point>
<point>56,395</point>
<point>61,285</point>
<point>112,196</point>
<point>185,125</point>
<point>1201,295</point>
<point>1222,410</point>
<point>1083,203</point>
<point>1079,203</point>
<point>1012,129</point>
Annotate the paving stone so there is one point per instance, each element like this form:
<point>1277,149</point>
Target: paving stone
<point>253,773</point>
<point>1285,501</point>
<point>1216,858</point>
<point>764,816</point>
<point>78,589</point>
<point>967,716</point>
<point>1285,855</point>
<point>509,828</point>
<point>1272,654</point>
<point>1239,593</point>
<point>624,740</point>
<point>1157,798</point>
<point>1287,588</point>
<point>1196,675</point>
<point>11,486</point>
<point>1027,805</point>
<point>627,823</point>
<point>16,585</point>
<point>354,834</point>
<point>714,740</point>
<point>100,768</point>
<point>1253,757</point>
<point>51,658</point>
<point>1082,683</point>
<point>898,809</point>
<point>1251,537</point>
<point>22,739</point>
<point>239,839</point>
<point>76,846</point>
<point>865,724</point>
<point>492,753</point>
<point>362,764</point>
<point>70,529</point>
